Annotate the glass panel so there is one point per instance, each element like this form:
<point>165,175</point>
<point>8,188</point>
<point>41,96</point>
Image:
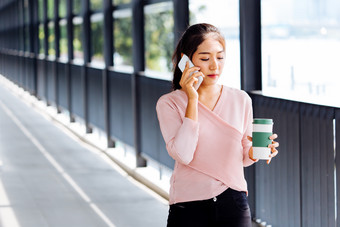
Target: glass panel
<point>26,12</point>
<point>63,40</point>
<point>97,38</point>
<point>51,39</point>
<point>41,10</point>
<point>77,38</point>
<point>159,40</point>
<point>62,8</point>
<point>223,14</point>
<point>27,38</point>
<point>96,4</point>
<point>301,50</point>
<point>50,9</point>
<point>41,39</point>
<point>76,7</point>
<point>117,2</point>
<point>123,39</point>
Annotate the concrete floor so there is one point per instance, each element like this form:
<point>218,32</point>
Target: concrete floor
<point>49,179</point>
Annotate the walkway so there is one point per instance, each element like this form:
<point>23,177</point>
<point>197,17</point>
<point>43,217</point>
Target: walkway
<point>49,178</point>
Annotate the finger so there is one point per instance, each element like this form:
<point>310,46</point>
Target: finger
<point>191,81</point>
<point>197,73</point>
<point>274,153</point>
<point>250,138</point>
<point>186,65</point>
<point>274,144</point>
<point>254,160</point>
<point>186,81</point>
<point>273,137</point>
<point>269,160</point>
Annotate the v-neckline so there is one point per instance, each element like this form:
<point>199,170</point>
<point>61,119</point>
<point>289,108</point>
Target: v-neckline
<point>217,102</point>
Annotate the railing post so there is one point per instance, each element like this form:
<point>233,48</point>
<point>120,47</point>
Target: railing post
<point>139,65</point>
<point>108,56</point>
<point>181,18</point>
<point>69,59</point>
<point>87,59</point>
<point>250,43</point>
<point>34,42</point>
<point>57,53</point>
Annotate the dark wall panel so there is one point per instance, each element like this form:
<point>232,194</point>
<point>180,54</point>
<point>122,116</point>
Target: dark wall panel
<point>77,91</point>
<point>30,75</point>
<point>62,85</point>
<point>50,81</point>
<point>337,161</point>
<point>120,105</point>
<point>41,79</point>
<point>95,98</point>
<point>317,166</point>
<point>277,185</point>
<point>152,143</point>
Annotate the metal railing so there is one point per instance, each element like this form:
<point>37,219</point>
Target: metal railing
<point>299,187</point>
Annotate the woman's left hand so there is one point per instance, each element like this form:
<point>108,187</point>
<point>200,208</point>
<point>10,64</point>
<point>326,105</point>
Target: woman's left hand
<point>272,146</point>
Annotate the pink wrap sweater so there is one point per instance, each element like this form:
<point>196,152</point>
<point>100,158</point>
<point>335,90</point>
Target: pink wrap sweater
<point>209,154</point>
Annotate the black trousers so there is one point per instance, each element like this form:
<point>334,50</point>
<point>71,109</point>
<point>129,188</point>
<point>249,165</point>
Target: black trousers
<point>229,209</point>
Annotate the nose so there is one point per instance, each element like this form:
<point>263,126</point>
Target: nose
<point>213,64</point>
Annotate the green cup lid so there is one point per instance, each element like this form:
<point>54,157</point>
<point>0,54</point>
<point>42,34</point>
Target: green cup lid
<point>262,121</point>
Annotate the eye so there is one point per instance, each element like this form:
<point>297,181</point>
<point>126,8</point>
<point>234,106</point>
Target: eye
<point>205,59</point>
<point>220,58</point>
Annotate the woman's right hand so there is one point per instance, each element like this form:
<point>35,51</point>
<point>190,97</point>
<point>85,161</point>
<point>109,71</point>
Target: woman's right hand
<point>187,81</point>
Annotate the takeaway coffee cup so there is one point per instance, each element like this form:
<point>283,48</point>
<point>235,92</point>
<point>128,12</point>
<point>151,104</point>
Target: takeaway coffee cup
<point>262,130</point>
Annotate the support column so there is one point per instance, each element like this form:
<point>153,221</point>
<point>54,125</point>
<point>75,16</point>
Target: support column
<point>139,66</point>
<point>108,56</point>
<point>250,42</point>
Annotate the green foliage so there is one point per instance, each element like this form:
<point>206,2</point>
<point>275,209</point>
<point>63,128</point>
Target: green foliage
<point>96,4</point>
<point>76,6</point>
<point>62,8</point>
<point>40,10</point>
<point>41,40</point>
<point>77,40</point>
<point>51,40</point>
<point>123,39</point>
<point>159,40</point>
<point>63,41</point>
<point>50,9</point>
<point>97,39</point>
<point>117,2</point>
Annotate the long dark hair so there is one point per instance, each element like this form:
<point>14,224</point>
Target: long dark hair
<point>188,43</point>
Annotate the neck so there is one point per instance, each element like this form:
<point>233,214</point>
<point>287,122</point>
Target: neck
<point>209,90</point>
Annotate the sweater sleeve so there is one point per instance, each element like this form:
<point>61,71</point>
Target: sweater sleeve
<point>181,136</point>
<point>247,132</point>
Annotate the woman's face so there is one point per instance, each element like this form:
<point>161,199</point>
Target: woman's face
<point>210,57</point>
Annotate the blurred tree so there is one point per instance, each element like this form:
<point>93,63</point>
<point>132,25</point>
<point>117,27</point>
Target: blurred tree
<point>117,2</point>
<point>159,40</point>
<point>41,39</point>
<point>51,37</point>
<point>40,10</point>
<point>123,39</point>
<point>62,8</point>
<point>50,9</point>
<point>97,40</point>
<point>96,4</point>
<point>76,7</point>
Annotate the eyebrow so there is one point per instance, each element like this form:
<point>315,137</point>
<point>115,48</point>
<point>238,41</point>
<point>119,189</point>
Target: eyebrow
<point>209,52</point>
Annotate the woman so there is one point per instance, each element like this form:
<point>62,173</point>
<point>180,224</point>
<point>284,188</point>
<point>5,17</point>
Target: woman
<point>206,132</point>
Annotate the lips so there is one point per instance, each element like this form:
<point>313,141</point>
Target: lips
<point>213,75</point>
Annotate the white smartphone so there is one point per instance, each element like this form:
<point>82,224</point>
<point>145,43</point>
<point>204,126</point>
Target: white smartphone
<point>181,66</point>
